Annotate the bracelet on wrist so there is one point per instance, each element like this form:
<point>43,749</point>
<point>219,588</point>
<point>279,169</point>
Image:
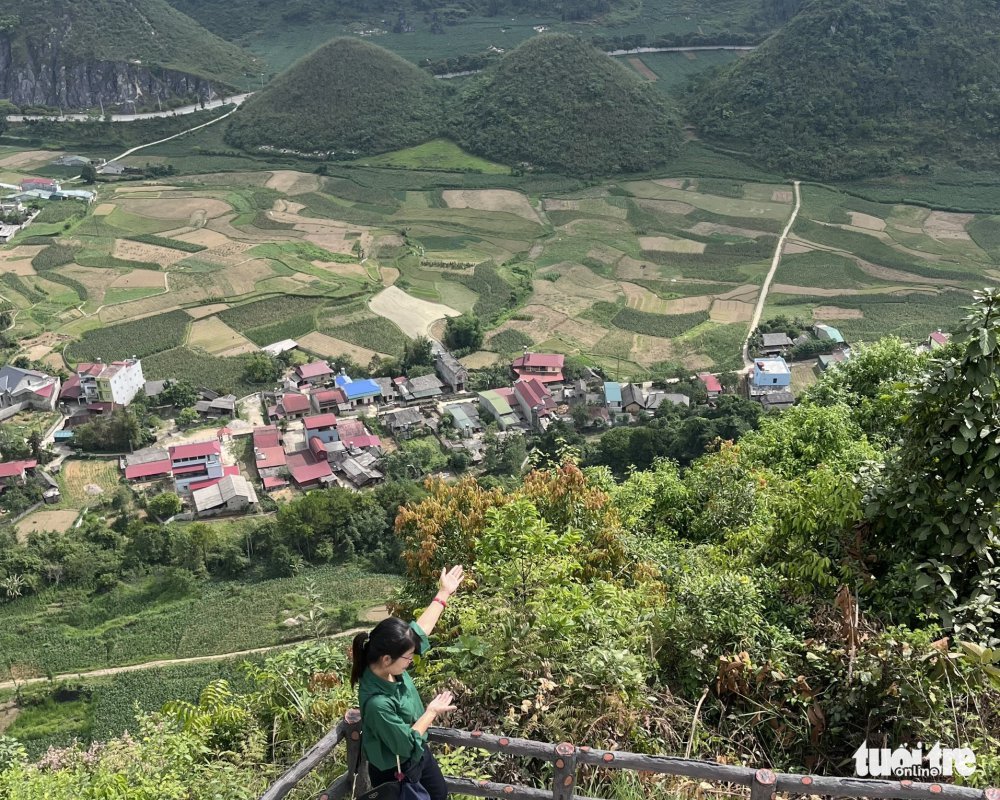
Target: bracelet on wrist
<point>444,603</point>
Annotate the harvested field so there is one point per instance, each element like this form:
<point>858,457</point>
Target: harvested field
<point>708,228</point>
<point>781,196</point>
<point>140,279</point>
<point>95,280</point>
<point>103,209</point>
<point>18,260</point>
<point>833,312</point>
<point>544,320</point>
<point>204,237</point>
<point>641,298</point>
<point>86,480</point>
<point>806,291</point>
<point>671,183</point>
<point>630,269</point>
<point>561,205</point>
<point>689,305</point>
<point>206,311</point>
<point>389,275</point>
<point>214,336</point>
<point>946,225</point>
<point>795,247</point>
<point>866,221</point>
<point>503,200</point>
<point>225,254</point>
<point>746,293</point>
<point>647,350</point>
<point>243,278</point>
<point>604,254</point>
<point>664,206</point>
<point>146,187</point>
<point>584,333</point>
<point>329,347</point>
<point>731,311</point>
<point>36,352</point>
<point>59,521</point>
<point>414,317</point>
<point>350,269</point>
<point>479,359</point>
<point>642,69</point>
<point>177,207</point>
<point>667,244</point>
<point>29,157</point>
<point>138,251</point>
<point>291,183</point>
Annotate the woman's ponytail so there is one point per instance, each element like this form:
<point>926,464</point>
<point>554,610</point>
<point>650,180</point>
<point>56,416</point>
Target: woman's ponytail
<point>359,662</point>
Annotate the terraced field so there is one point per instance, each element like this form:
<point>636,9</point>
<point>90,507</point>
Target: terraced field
<point>205,270</point>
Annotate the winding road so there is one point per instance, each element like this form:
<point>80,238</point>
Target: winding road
<point>235,100</point>
<point>762,299</point>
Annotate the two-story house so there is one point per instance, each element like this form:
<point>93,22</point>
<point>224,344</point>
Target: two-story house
<point>535,401</point>
<point>546,367</point>
<point>22,389</point>
<point>195,463</point>
<point>109,385</point>
<point>321,426</point>
<point>450,371</point>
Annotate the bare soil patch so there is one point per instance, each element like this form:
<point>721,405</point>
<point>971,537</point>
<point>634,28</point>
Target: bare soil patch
<point>833,312</point>
<point>414,316</point>
<point>206,311</point>
<point>480,359</point>
<point>28,157</point>
<point>866,221</point>
<point>139,251</point>
<point>292,183</point>
<point>503,200</point>
<point>204,237</point>
<point>746,292</point>
<point>708,228</point>
<point>329,347</point>
<point>103,209</point>
<point>37,353</point>
<point>213,336</point>
<point>670,183</point>
<point>630,269</point>
<point>177,207</point>
<point>666,244</point>
<point>18,259</point>
<point>140,278</point>
<point>948,225</point>
<point>561,205</point>
<point>243,278</point>
<point>795,247</point>
<point>731,311</point>
<point>642,69</point>
<point>647,350</point>
<point>689,305</point>
<point>59,520</point>
<point>544,320</point>
<point>389,275</point>
<point>781,196</point>
<point>586,334</point>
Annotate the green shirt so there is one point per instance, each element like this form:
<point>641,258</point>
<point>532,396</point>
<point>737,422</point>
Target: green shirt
<point>389,709</point>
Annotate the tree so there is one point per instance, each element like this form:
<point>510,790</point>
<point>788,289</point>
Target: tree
<point>418,352</point>
<point>463,333</point>
<point>504,455</point>
<point>88,174</point>
<point>261,368</point>
<point>164,505</point>
<point>940,500</point>
<point>120,431</point>
<point>179,394</point>
<point>187,417</point>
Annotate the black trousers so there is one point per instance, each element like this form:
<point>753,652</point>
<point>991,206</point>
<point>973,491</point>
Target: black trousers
<point>426,772</point>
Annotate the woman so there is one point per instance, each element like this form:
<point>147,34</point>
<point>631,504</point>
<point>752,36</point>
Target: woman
<point>393,720</point>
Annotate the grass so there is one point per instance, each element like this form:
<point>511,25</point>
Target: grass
<point>164,616</point>
<point>823,270</point>
<point>438,154</point>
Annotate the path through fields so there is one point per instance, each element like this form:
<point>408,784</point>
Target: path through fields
<point>167,662</point>
<point>762,299</point>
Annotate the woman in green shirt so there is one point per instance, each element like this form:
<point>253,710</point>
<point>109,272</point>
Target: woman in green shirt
<point>394,721</point>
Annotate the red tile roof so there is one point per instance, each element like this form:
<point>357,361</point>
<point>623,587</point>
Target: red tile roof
<point>9,469</point>
<point>46,391</point>
<point>315,369</point>
<point>534,393</point>
<point>330,396</point>
<point>540,360</point>
<point>150,469</point>
<point>351,427</point>
<point>939,337</point>
<point>711,383</point>
<point>270,457</point>
<point>195,450</point>
<point>71,388</point>
<point>317,448</point>
<point>305,469</point>
<point>320,421</point>
<point>87,368</point>
<point>366,440</point>
<point>226,472</point>
<point>294,403</point>
<point>189,469</point>
<point>274,482</point>
<point>266,436</point>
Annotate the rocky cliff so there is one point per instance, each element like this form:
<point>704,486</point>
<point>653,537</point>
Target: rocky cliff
<point>43,76</point>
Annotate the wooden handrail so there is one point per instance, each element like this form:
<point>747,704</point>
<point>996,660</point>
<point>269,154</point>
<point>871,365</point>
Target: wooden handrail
<point>567,758</point>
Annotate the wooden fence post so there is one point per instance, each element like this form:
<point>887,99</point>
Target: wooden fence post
<point>355,755</point>
<point>763,784</point>
<point>564,779</point>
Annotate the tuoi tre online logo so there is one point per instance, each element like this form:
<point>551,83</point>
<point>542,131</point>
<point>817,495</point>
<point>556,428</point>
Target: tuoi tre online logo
<point>904,762</point>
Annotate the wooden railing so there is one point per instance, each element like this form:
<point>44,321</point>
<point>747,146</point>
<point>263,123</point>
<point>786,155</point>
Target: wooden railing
<point>567,758</point>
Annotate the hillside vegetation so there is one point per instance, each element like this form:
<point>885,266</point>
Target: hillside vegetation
<point>347,96</point>
<point>70,32</point>
<point>556,103</point>
<point>862,87</point>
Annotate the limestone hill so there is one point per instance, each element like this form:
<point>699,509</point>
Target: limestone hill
<point>556,103</point>
<point>347,97</point>
<point>131,53</point>
<point>862,87</point>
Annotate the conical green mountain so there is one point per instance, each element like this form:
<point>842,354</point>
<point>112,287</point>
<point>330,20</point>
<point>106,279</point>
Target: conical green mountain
<point>862,87</point>
<point>348,97</point>
<point>556,103</point>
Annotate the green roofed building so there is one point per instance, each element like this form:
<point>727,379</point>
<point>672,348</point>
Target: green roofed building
<point>498,407</point>
<point>829,334</point>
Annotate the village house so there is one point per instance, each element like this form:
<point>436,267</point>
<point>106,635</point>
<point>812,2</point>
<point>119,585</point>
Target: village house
<point>466,419</point>
<point>613,397</point>
<point>404,423</point>
<point>361,392</point>
<point>218,407</point>
<point>770,373</point>
<point>196,463</point>
<point>328,401</point>
<point>35,184</point>
<point>70,160</point>
<point>16,472</point>
<point>656,398</point>
<point>359,472</point>
<point>451,371</point>
<point>826,333</point>
<point>269,457</point>
<point>103,386</point>
<point>535,401</point>
<point>232,494</point>
<point>775,344</point>
<point>776,401</point>
<point>292,405</point>
<point>24,389</point>
<point>497,406</point>
<point>420,389</point>
<point>633,398</point>
<point>355,435</point>
<point>321,426</point>
<point>111,168</point>
<point>837,356</point>
<point>713,387</point>
<point>546,367</point>
<point>315,373</point>
<point>148,464</point>
<point>937,339</point>
<point>308,470</point>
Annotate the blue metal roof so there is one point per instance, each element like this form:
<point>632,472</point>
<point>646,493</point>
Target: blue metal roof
<point>352,389</point>
<point>613,392</point>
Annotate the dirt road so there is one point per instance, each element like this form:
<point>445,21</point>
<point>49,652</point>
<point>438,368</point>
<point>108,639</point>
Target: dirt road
<point>762,299</point>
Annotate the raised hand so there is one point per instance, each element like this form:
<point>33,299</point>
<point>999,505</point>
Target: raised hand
<point>442,703</point>
<point>450,580</point>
